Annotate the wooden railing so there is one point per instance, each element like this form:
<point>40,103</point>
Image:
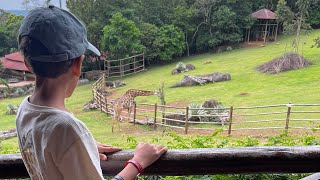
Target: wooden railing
<point>247,160</point>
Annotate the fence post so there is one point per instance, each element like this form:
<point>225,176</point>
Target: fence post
<point>288,115</point>
<point>121,69</point>
<point>134,112</point>
<point>106,104</point>
<point>230,120</point>
<point>143,64</point>
<point>187,118</point>
<point>134,63</point>
<point>155,116</point>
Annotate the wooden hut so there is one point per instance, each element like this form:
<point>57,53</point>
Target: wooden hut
<point>265,28</point>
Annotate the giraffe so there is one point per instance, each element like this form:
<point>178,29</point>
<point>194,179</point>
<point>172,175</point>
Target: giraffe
<point>126,101</point>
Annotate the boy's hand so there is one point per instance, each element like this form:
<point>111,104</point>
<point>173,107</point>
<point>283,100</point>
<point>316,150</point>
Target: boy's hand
<point>146,154</point>
<point>102,148</point>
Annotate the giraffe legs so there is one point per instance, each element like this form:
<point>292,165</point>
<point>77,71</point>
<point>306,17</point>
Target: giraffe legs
<point>116,119</point>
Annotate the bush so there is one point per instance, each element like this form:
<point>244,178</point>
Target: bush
<point>181,67</point>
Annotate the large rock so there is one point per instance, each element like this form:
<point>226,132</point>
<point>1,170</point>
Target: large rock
<point>189,80</point>
<point>83,82</point>
<point>174,72</point>
<point>93,75</point>
<point>190,67</point>
<point>91,105</point>
<point>180,117</point>
<point>216,77</point>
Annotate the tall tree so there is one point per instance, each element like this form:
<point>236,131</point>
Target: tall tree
<point>121,37</point>
<point>171,42</point>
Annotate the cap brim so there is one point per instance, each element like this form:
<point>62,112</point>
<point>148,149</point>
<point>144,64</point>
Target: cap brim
<point>93,49</point>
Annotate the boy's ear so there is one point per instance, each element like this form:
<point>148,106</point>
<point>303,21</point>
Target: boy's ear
<point>76,67</point>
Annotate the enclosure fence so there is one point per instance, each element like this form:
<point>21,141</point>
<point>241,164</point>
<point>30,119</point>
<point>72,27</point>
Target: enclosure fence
<point>230,119</point>
<point>124,67</point>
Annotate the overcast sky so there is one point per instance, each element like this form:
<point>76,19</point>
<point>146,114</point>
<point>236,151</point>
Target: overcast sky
<point>17,4</point>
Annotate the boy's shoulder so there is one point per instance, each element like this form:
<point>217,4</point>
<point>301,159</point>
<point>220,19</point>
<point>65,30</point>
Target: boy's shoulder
<point>56,123</point>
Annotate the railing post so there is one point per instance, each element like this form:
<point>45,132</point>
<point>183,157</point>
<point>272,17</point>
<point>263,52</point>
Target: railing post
<point>230,119</point>
<point>187,119</point>
<point>143,64</point>
<point>155,116</point>
<point>288,115</point>
<point>134,112</point>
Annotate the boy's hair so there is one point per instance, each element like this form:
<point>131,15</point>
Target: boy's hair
<point>31,48</point>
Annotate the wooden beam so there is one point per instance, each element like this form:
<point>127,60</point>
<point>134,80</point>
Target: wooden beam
<point>245,160</point>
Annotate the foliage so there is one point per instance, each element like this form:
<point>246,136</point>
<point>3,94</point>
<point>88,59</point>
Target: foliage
<point>170,41</point>
<point>295,22</point>
<point>149,34</point>
<point>215,114</point>
<point>121,37</point>
<point>181,67</point>
<point>9,26</point>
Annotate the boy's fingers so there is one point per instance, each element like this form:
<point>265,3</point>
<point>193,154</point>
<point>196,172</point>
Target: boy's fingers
<point>109,149</point>
<point>103,157</point>
<point>163,150</point>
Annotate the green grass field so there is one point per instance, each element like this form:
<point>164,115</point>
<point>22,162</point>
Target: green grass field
<point>298,86</point>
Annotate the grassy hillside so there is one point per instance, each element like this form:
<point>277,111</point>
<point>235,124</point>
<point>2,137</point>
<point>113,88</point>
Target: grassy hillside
<point>298,86</point>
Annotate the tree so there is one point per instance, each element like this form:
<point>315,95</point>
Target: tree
<point>9,26</point>
<point>171,42</point>
<point>148,38</point>
<point>121,37</point>
<point>295,22</point>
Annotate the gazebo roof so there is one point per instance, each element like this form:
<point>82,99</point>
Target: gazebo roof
<point>264,14</point>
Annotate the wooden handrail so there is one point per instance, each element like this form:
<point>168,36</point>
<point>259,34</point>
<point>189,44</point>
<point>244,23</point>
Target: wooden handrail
<point>245,160</point>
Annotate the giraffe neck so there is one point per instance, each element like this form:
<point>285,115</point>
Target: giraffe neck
<point>134,93</point>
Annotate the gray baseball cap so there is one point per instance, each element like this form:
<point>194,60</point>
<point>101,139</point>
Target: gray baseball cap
<point>62,33</point>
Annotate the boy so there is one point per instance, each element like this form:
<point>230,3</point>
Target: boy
<point>53,143</point>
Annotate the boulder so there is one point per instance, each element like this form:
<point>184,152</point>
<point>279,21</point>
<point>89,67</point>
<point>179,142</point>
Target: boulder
<point>83,82</point>
<point>180,117</point>
<point>118,83</point>
<point>93,75</point>
<point>190,80</point>
<point>190,67</point>
<point>110,84</point>
<point>91,105</point>
<point>174,72</point>
<point>217,77</point>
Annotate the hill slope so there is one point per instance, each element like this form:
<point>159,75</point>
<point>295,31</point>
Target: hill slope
<point>297,86</point>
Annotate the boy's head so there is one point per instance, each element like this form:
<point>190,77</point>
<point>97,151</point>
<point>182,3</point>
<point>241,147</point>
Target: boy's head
<point>51,40</point>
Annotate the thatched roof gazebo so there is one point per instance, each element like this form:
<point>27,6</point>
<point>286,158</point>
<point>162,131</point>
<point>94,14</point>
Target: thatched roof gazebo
<point>265,28</point>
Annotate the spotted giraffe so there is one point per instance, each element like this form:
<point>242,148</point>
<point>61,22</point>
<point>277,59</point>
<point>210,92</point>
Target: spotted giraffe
<point>126,101</point>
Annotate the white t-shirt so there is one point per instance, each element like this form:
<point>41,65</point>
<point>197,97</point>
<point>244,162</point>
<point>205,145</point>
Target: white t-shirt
<point>56,145</point>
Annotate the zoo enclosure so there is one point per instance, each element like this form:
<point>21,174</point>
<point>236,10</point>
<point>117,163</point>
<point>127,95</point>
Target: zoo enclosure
<point>272,117</point>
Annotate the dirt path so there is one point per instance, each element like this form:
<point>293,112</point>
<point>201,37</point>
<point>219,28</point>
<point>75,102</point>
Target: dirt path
<point>18,84</point>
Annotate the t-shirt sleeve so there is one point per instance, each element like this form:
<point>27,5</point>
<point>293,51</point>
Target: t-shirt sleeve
<point>81,160</point>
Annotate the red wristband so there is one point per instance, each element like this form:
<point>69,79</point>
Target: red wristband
<point>136,164</point>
